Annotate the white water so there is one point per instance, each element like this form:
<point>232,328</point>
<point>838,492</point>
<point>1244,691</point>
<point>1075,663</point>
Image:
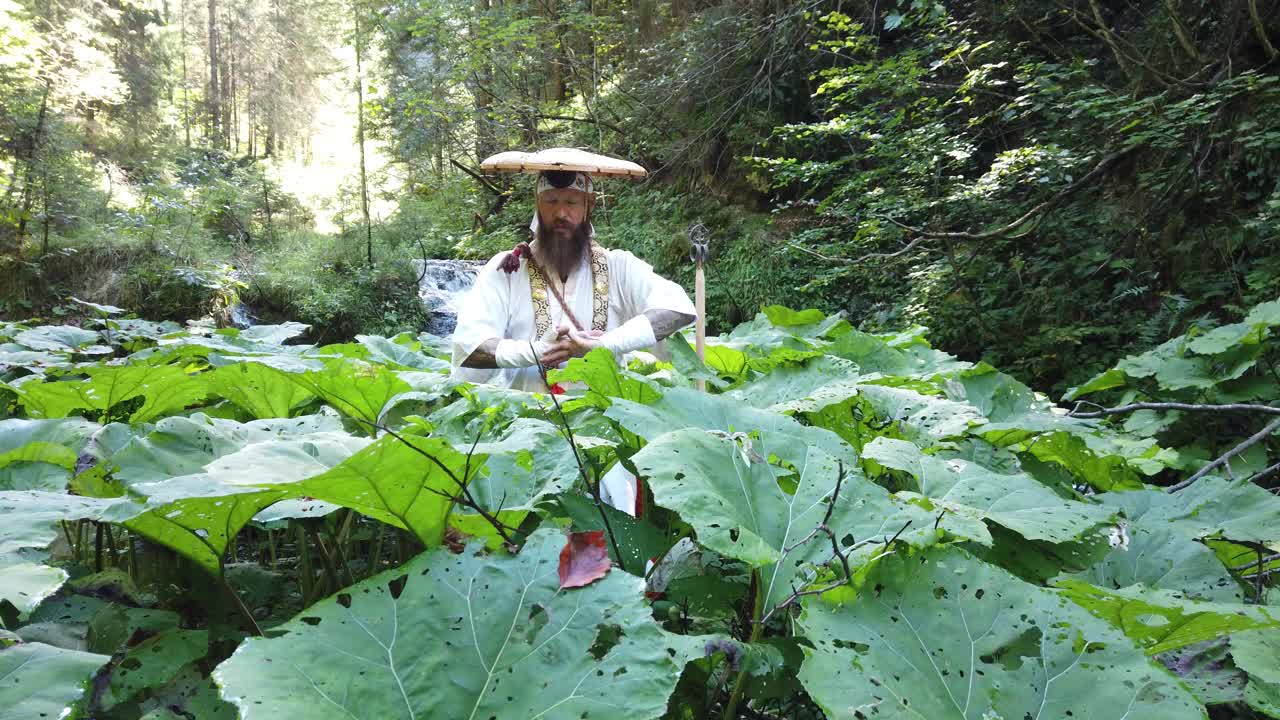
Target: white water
<point>444,283</point>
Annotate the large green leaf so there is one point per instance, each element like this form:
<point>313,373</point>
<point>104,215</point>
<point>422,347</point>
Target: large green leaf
<point>355,388</point>
<point>152,663</point>
<point>25,585</point>
<point>685,360</point>
<point>925,416</point>
<point>164,389</point>
<point>1104,472</point>
<point>947,636</point>
<point>382,350</point>
<point>407,482</point>
<point>685,408</point>
<point>42,681</point>
<point>1211,507</point>
<point>466,636</point>
<point>1164,559</point>
<point>1016,501</point>
<point>37,466</point>
<point>1257,652</point>
<point>31,517</point>
<point>531,460</point>
<point>599,371</point>
<point>736,503</point>
<point>185,445</point>
<point>1161,620</point>
<point>199,515</point>
<point>785,388</point>
<point>69,432</point>
<point>66,338</point>
<point>258,389</point>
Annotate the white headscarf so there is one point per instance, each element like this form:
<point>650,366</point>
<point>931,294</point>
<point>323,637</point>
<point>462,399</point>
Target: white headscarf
<point>581,183</point>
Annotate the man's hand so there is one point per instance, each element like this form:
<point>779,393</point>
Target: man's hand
<point>570,343</point>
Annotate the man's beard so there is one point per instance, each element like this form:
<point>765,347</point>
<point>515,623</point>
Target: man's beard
<point>564,253</point>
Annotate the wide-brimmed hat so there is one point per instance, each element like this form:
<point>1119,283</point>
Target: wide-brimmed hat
<point>570,159</point>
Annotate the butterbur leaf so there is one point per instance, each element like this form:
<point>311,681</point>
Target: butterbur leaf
<point>1016,501</point>
<point>1162,620</point>
<point>946,636</point>
<point>473,635</point>
<point>584,559</point>
<point>42,681</point>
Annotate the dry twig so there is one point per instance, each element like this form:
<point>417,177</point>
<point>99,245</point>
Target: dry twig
<point>1249,442</point>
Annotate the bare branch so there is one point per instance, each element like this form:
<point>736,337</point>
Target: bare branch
<point>479,178</point>
<point>464,498</point>
<point>1252,440</point>
<point>1189,407</point>
<point>1256,563</point>
<point>837,553</point>
<point>885,256</point>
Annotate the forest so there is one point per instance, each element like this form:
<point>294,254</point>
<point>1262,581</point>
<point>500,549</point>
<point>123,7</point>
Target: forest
<point>984,426</point>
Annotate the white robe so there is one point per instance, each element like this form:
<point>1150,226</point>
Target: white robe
<point>500,305</point>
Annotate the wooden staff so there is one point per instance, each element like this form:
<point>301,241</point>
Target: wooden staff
<point>699,238</point>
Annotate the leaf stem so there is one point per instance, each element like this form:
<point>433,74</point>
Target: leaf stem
<point>593,488</point>
<point>757,627</point>
<point>239,603</point>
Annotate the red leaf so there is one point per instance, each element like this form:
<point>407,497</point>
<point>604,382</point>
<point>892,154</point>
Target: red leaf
<point>584,559</point>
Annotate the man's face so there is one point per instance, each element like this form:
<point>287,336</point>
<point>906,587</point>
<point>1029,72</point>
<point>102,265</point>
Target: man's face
<point>562,210</point>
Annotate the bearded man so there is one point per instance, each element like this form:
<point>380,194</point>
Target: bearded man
<point>561,296</point>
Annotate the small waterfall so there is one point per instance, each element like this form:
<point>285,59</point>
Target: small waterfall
<point>443,284</point>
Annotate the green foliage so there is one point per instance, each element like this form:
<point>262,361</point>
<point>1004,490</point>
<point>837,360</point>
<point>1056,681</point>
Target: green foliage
<point>835,476</point>
<point>493,626</point>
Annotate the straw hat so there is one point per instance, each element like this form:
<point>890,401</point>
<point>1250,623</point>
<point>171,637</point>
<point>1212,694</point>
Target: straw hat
<point>573,159</point>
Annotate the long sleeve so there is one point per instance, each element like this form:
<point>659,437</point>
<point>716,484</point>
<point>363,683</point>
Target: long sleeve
<point>483,314</point>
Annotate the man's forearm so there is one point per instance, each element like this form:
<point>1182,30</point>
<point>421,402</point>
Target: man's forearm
<point>483,357</point>
<point>666,322</point>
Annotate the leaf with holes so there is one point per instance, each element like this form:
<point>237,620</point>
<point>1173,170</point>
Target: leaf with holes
<point>355,388</point>
<point>1166,560</point>
<point>945,636</point>
<point>42,681</point>
<point>152,663</point>
<point>466,636</point>
<point>260,390</point>
<point>738,506</point>
<point>1161,620</point>
<point>1210,507</point>
<point>686,408</point>
<point>1016,501</point>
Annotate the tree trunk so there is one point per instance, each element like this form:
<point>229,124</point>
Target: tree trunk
<point>215,90</point>
<point>186,92</point>
<point>483,126</point>
<point>364,179</point>
<point>33,155</point>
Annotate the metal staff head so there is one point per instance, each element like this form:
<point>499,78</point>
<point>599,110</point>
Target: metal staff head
<point>699,242</point>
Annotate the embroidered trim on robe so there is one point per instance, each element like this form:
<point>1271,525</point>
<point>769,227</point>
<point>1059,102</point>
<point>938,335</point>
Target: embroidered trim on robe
<point>541,294</point>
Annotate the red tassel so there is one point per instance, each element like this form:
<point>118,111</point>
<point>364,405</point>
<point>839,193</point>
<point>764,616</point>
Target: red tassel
<point>511,262</point>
